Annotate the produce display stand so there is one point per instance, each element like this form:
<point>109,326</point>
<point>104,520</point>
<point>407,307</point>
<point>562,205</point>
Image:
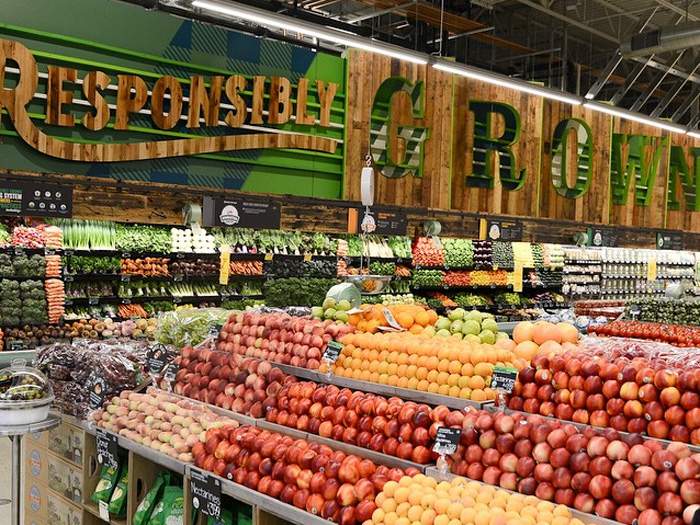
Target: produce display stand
<point>582,426</point>
<point>588,519</point>
<point>16,433</point>
<point>377,388</point>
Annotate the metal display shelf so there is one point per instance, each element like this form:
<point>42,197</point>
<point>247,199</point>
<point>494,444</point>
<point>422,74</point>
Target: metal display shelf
<point>583,426</point>
<point>378,388</point>
<point>377,457</point>
<point>589,519</point>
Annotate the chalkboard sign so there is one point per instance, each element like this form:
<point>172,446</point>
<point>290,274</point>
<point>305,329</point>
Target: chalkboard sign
<point>501,230</point>
<point>602,237</point>
<point>446,440</point>
<point>35,198</point>
<point>388,222</point>
<point>107,448</point>
<point>206,493</point>
<point>241,213</point>
<point>669,240</point>
<point>97,388</point>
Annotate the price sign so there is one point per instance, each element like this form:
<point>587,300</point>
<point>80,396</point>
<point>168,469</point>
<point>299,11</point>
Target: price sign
<point>104,510</point>
<point>16,344</point>
<point>179,255</point>
<point>156,358</point>
<point>446,440</point>
<point>206,493</point>
<point>332,351</point>
<point>170,373</point>
<point>393,323</point>
<point>67,253</point>
<point>93,301</point>
<point>269,256</point>
<point>215,329</point>
<point>307,257</point>
<point>504,378</point>
<point>651,269</point>
<point>107,448</point>
<point>49,251</point>
<point>177,300</point>
<point>241,213</point>
<point>178,277</point>
<point>69,278</point>
<point>518,277</point>
<point>126,301</point>
<point>19,252</point>
<point>634,310</point>
<point>68,302</point>
<point>125,278</point>
<point>126,255</point>
<point>601,237</point>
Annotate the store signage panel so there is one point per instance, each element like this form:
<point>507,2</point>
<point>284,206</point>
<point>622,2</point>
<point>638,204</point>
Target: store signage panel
<point>242,213</point>
<point>388,222</point>
<point>501,230</point>
<point>35,199</point>
<point>602,237</point>
<point>669,240</point>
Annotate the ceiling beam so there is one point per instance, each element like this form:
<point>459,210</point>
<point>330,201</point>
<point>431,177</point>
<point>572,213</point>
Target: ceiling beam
<point>642,99</point>
<point>686,104</point>
<point>673,92</point>
<point>676,9</point>
<point>629,82</point>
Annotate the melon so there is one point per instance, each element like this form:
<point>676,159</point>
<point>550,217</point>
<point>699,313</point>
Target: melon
<point>550,348</point>
<point>523,331</point>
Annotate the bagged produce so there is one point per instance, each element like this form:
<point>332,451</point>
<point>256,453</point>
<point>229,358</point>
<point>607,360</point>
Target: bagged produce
<point>105,487</point>
<point>170,508</point>
<point>117,502</point>
<point>150,500</point>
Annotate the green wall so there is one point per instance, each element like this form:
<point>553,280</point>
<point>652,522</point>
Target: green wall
<point>120,38</point>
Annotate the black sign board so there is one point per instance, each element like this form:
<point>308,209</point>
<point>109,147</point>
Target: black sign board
<point>501,230</point>
<point>503,379</point>
<point>16,344</point>
<point>156,358</point>
<point>388,222</point>
<point>97,387</point>
<point>206,493</point>
<point>107,448</point>
<point>446,440</point>
<point>332,351</point>
<point>241,213</point>
<point>35,198</point>
<point>215,329</point>
<point>602,237</point>
<point>669,240</point>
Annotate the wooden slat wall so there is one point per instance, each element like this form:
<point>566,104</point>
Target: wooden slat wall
<point>594,206</point>
<point>522,202</point>
<point>654,215</point>
<point>683,219</point>
<point>366,71</point>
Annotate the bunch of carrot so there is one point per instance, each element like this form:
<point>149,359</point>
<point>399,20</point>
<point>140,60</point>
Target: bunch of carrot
<point>55,299</point>
<point>246,268</point>
<point>53,265</point>
<point>127,311</point>
<point>148,266</point>
<point>53,237</point>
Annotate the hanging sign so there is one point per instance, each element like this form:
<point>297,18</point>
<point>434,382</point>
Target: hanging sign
<point>97,388</point>
<point>206,493</point>
<point>500,230</point>
<point>669,240</point>
<point>241,213</point>
<point>35,199</point>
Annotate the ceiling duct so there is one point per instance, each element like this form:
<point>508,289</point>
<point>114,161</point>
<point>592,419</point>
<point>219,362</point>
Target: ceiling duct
<point>666,39</point>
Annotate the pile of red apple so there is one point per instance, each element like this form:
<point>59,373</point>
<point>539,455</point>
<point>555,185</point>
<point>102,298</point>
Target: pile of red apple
<point>313,477</point>
<point>627,392</point>
<point>625,478</point>
<point>278,337</point>
<point>392,426</point>
<point>229,381</point>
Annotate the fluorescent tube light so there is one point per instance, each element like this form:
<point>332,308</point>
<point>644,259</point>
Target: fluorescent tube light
<point>694,134</point>
<point>267,19</point>
<point>504,81</point>
<point>636,117</point>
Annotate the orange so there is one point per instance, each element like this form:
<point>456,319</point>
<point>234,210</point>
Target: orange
<point>477,382</point>
<point>423,318</point>
<point>443,365</point>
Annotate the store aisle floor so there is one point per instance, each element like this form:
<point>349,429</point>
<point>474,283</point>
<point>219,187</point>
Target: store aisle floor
<point>6,476</point>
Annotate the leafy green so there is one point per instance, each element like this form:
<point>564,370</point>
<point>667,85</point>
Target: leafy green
<point>141,238</point>
<point>296,291</point>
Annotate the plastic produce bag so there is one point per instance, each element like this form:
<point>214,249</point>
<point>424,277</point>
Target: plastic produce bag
<point>105,487</point>
<point>117,502</point>
<point>170,508</point>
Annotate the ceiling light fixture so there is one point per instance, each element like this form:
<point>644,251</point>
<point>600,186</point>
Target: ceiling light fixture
<point>636,117</point>
<point>504,81</point>
<point>268,19</point>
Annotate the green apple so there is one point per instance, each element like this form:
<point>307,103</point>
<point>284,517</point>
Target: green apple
<point>330,313</point>
<point>456,326</point>
<point>328,302</point>
<point>487,337</point>
<point>443,333</point>
<point>317,312</point>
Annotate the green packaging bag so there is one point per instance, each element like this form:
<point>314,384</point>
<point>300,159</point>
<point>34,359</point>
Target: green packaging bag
<point>170,509</point>
<point>149,501</point>
<point>105,487</point>
<point>226,518</point>
<point>117,502</point>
